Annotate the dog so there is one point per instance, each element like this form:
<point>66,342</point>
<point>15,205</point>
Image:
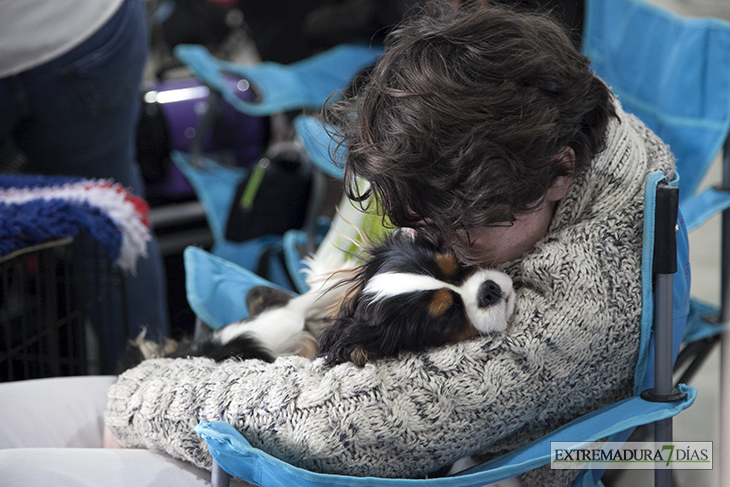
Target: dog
<point>278,324</point>
<point>407,296</point>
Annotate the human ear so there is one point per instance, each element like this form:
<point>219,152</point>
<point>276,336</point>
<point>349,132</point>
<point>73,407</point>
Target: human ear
<point>559,188</point>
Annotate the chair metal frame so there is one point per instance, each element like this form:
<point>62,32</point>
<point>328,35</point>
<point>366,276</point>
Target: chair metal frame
<point>724,456</point>
<point>665,266</point>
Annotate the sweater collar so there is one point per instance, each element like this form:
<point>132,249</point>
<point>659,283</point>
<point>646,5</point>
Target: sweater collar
<point>612,179</point>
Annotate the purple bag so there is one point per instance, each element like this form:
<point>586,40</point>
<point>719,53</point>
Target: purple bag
<point>173,114</point>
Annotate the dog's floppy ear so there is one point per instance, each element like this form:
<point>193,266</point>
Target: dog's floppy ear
<point>362,333</point>
<point>342,341</point>
<point>350,299</point>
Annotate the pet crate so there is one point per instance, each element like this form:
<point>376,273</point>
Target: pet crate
<point>59,304</point>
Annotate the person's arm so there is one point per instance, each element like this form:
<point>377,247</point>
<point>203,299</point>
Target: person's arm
<point>394,419</point>
<point>561,357</point>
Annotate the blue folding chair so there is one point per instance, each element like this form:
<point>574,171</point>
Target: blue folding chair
<point>215,186</point>
<point>673,74</point>
<point>304,85</point>
<point>233,455</point>
<point>216,281</point>
<point>644,81</point>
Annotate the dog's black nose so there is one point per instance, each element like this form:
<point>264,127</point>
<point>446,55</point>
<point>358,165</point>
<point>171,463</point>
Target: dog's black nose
<point>489,293</point>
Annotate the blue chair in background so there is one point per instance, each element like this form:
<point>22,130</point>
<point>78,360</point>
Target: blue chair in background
<point>673,74</point>
<point>232,263</point>
<point>304,85</point>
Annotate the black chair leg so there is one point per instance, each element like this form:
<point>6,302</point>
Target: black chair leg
<point>218,477</point>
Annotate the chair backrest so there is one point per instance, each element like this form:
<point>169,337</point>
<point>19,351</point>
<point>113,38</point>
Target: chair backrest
<point>305,84</point>
<point>670,71</point>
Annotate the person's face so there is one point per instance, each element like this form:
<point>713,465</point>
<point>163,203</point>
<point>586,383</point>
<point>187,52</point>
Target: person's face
<point>496,245</point>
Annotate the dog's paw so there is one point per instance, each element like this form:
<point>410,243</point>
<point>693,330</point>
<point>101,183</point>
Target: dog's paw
<point>261,298</point>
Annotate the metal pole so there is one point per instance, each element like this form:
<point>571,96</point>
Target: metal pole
<point>218,476</point>
<point>665,265</point>
<point>663,303</point>
<point>724,453</point>
<point>663,383</point>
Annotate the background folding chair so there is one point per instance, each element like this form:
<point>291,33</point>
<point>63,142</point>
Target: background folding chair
<point>279,88</point>
<point>217,282</point>
<point>216,186</point>
<point>305,85</point>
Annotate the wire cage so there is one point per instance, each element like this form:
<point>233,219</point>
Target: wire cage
<point>60,304</point>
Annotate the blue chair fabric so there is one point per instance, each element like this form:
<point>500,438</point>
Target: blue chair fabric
<point>323,152</point>
<point>216,287</point>
<point>306,84</point>
<point>674,74</point>
<point>671,72</point>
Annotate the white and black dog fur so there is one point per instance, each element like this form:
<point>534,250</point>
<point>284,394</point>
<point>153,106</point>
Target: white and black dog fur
<point>407,296</point>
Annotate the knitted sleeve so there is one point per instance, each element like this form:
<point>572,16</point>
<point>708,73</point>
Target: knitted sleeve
<point>561,356</point>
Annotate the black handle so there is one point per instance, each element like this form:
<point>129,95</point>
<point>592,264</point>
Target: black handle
<point>665,230</point>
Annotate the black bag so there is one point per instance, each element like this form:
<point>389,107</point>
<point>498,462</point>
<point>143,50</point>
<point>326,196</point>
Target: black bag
<point>272,199</point>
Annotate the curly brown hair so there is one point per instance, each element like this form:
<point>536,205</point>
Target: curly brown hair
<point>462,119</point>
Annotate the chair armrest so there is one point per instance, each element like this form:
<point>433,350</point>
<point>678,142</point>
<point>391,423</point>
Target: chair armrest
<point>698,208</point>
<point>238,458</point>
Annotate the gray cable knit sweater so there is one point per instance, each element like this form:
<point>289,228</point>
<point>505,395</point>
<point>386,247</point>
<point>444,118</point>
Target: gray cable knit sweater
<point>570,349</point>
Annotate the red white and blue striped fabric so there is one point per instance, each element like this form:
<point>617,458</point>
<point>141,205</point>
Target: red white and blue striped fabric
<point>37,209</point>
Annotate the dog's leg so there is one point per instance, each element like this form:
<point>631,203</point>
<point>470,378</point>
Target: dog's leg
<point>277,329</point>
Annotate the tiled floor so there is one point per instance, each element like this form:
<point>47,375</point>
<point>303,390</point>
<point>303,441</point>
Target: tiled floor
<point>701,421</point>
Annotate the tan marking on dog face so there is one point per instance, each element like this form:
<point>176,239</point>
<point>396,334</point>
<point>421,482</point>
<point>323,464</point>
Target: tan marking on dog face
<point>440,303</point>
<point>447,264</point>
